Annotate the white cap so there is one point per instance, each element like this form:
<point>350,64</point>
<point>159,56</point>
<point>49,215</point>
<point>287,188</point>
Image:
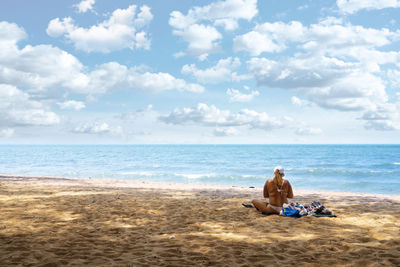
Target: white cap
<point>280,169</point>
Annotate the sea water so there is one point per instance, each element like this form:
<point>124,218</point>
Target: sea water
<point>348,168</point>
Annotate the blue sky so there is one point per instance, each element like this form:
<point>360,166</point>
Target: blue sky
<point>199,72</point>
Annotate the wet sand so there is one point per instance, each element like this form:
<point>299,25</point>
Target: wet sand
<point>47,221</point>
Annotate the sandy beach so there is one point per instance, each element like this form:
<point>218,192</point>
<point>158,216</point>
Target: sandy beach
<point>47,221</point>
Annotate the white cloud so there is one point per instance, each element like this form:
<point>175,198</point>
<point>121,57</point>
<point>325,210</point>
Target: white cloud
<point>339,67</point>
<point>237,96</point>
<point>394,78</point>
<point>179,54</point>
<point>300,102</point>
<point>6,133</point>
<point>298,71</point>
<point>221,72</point>
<point>384,117</point>
<point>85,6</point>
<point>304,130</point>
<point>36,67</point>
<point>72,104</point>
<point>113,76</point>
<point>302,7</point>
<point>220,10</point>
<point>130,116</point>
<point>58,27</point>
<point>146,109</point>
<point>381,125</point>
<point>227,24</point>
<point>45,69</point>
<point>11,33</point>
<point>228,131</point>
<point>122,30</point>
<point>98,128</point>
<point>328,82</point>
<point>17,109</point>
<point>213,117</point>
<point>353,6</point>
<point>328,35</point>
<point>269,37</point>
<point>202,39</point>
<point>198,27</point>
<point>255,43</point>
<point>378,114</point>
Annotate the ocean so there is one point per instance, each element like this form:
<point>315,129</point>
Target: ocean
<point>346,168</point>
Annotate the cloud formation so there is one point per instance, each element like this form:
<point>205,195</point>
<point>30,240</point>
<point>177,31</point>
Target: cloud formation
<point>199,26</point>
<point>353,6</point>
<point>38,67</point>
<point>85,5</point>
<point>304,130</point>
<point>43,69</point>
<point>300,102</point>
<point>124,29</point>
<point>17,109</point>
<point>269,37</point>
<point>113,76</point>
<point>335,66</point>
<point>328,35</point>
<point>237,96</point>
<point>98,128</point>
<point>221,72</point>
<point>6,133</point>
<point>228,131</point>
<point>131,116</point>
<point>72,104</point>
<point>213,117</point>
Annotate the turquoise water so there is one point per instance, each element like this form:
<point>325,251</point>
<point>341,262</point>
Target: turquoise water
<point>350,168</point>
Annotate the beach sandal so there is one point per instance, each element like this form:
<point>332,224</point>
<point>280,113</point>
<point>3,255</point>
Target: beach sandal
<point>247,205</point>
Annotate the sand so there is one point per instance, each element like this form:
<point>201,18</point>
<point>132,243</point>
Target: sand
<point>46,221</point>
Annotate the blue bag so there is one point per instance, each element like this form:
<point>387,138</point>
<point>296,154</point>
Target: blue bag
<point>290,212</point>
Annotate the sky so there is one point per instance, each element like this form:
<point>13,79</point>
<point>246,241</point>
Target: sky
<point>200,72</point>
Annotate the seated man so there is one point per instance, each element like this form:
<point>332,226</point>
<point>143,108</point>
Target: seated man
<point>277,190</point>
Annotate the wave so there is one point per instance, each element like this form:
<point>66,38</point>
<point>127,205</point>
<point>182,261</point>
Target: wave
<point>196,176</point>
<point>192,176</point>
<point>355,172</point>
<point>230,176</point>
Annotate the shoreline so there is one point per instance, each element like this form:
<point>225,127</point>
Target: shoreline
<point>187,186</point>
